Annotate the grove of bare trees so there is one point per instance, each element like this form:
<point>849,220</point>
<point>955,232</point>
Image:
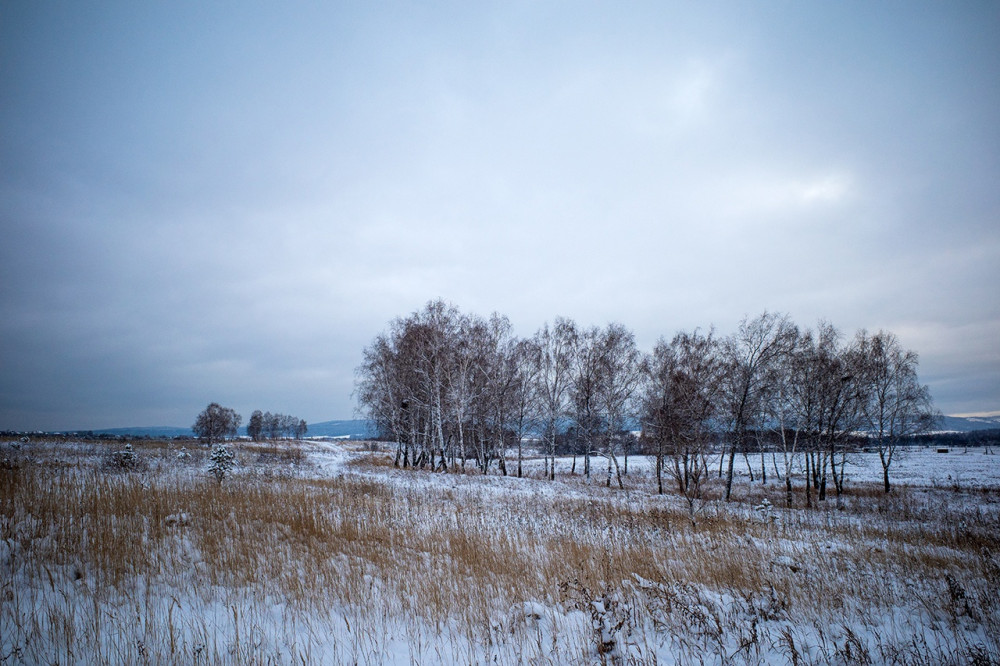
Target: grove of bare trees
<point>217,423</point>
<point>262,426</point>
<point>451,388</point>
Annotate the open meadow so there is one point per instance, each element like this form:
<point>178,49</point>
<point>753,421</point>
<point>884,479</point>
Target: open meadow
<point>323,552</point>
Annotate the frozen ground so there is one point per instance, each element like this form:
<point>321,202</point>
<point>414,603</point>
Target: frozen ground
<point>325,553</point>
<point>914,467</point>
<point>924,466</point>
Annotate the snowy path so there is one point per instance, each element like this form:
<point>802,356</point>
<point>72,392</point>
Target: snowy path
<point>331,457</point>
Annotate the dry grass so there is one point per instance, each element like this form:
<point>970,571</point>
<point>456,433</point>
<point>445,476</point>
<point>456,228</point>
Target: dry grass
<point>167,566</point>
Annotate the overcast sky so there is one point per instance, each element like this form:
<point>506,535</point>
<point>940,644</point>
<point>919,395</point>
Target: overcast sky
<point>227,201</point>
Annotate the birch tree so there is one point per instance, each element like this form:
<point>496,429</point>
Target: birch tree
<point>749,354</point>
<point>216,423</point>
<point>895,405</point>
<point>680,391</point>
<point>787,406</point>
<point>619,371</point>
<point>554,356</point>
<point>585,394</point>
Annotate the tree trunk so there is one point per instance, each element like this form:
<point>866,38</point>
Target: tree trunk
<point>885,466</point>
<point>729,471</point>
<point>552,453</point>
<point>809,502</point>
<point>659,470</point>
<point>461,441</point>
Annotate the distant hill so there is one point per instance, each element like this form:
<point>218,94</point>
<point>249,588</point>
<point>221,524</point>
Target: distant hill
<point>361,429</point>
<point>969,423</point>
<point>152,432</point>
<point>356,429</point>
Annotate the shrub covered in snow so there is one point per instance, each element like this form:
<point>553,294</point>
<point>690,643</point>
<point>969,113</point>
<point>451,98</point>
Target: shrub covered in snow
<point>123,460</point>
<point>221,462</point>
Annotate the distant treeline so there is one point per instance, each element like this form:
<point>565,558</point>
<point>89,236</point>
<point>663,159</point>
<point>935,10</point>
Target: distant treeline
<point>275,426</point>
<point>217,423</point>
<point>989,437</point>
<point>86,436</point>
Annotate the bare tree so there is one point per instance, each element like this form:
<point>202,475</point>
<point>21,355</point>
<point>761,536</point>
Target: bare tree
<point>749,356</point>
<point>681,382</point>
<point>272,425</point>
<point>255,427</point>
<point>828,380</point>
<point>216,423</point>
<point>585,394</point>
<point>288,426</point>
<point>524,402</point>
<point>620,373</point>
<point>658,396</point>
<point>436,330</point>
<point>555,347</point>
<point>385,392</point>
<point>506,375</point>
<point>424,385</point>
<point>840,404</point>
<point>803,393</point>
<point>787,405</point>
<point>463,382</point>
<point>894,405</point>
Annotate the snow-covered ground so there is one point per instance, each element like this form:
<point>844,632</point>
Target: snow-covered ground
<point>912,466</point>
<point>323,552</point>
<point>925,466</point>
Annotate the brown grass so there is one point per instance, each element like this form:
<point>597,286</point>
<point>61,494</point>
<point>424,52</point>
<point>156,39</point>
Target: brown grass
<point>445,556</point>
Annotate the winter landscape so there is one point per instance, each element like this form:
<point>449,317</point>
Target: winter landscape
<point>323,552</point>
<point>529,332</point>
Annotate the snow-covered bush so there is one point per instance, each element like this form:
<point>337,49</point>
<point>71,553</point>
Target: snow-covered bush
<point>222,461</point>
<point>124,460</point>
<point>9,459</point>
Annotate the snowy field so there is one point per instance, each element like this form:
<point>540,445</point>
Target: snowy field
<point>914,467</point>
<point>924,466</point>
<point>322,552</point>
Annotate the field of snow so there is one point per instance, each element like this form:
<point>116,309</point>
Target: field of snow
<point>322,552</point>
<point>924,466</point>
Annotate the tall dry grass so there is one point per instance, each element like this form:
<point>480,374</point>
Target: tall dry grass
<point>376,566</point>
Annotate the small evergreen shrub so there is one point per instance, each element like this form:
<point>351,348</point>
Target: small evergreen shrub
<point>221,462</point>
<point>124,460</point>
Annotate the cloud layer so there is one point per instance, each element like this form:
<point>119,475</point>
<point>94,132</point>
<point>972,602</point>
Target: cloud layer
<point>224,203</point>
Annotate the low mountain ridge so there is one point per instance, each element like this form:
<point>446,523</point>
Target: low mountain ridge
<point>356,429</point>
<point>363,428</point>
<point>969,423</point>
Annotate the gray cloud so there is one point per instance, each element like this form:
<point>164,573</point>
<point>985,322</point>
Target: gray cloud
<point>200,203</point>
